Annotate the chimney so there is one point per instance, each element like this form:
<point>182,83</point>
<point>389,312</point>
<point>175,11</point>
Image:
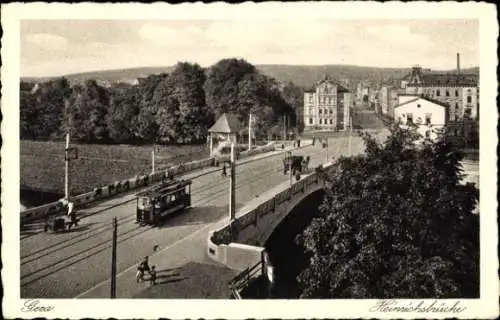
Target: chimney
<point>458,63</point>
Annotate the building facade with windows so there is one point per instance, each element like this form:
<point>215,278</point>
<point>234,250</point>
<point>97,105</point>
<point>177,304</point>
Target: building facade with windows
<point>388,98</point>
<point>429,116</point>
<point>327,106</point>
<point>459,91</point>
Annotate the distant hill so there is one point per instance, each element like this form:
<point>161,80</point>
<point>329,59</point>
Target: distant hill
<point>304,76</point>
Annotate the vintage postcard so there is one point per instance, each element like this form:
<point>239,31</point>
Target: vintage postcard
<point>258,160</point>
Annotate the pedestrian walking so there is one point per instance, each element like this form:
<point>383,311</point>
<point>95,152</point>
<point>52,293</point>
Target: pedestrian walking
<point>224,170</point>
<point>152,279</point>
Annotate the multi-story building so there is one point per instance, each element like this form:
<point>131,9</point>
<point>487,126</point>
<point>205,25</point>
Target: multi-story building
<point>327,106</point>
<point>457,90</point>
<point>388,99</point>
<point>427,115</point>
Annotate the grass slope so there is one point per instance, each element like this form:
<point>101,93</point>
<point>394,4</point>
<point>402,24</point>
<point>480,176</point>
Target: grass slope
<point>42,164</point>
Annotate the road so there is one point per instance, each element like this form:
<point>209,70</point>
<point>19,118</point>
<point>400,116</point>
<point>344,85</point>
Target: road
<point>77,264</point>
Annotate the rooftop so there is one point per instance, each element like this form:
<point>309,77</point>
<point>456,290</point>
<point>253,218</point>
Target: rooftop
<point>227,123</point>
<point>327,78</point>
<point>418,97</point>
<point>419,77</point>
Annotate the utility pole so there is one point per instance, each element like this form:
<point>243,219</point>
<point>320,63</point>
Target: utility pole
<point>327,159</point>
<point>153,159</point>
<point>284,128</point>
<point>250,132</point>
<point>66,168</point>
<point>350,135</point>
<point>113,259</point>
<point>232,184</point>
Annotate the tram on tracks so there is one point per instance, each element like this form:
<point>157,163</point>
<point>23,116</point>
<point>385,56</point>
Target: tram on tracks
<point>156,204</point>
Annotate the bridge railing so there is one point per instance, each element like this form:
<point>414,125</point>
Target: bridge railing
<point>241,281</point>
<point>252,215</point>
<point>127,185</point>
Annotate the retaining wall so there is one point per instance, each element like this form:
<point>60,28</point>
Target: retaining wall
<point>130,184</point>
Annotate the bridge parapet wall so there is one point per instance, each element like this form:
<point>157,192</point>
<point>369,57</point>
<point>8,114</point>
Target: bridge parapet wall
<point>255,222</point>
<point>127,185</point>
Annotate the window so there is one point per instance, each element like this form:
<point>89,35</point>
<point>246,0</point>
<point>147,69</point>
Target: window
<point>320,121</point>
<point>456,105</point>
<point>331,111</point>
<point>428,118</point>
<point>467,113</point>
<point>310,121</point>
<point>456,93</point>
<point>331,121</point>
<point>469,99</point>
<point>418,106</point>
<point>320,111</point>
<point>310,98</point>
<point>409,118</point>
<point>438,93</point>
<point>447,93</point>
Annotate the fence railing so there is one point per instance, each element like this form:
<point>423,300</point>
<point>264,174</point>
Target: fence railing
<point>241,281</point>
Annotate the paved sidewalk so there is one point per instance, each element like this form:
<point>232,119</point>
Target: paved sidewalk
<point>185,272</point>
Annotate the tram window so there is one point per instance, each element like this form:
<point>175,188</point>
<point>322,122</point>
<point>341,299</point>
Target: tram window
<point>173,198</point>
<point>187,189</point>
<point>143,203</point>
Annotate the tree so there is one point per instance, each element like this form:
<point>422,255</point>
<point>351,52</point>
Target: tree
<point>395,223</point>
<point>41,111</point>
<point>85,112</point>
<point>186,81</point>
<point>122,113</point>
<point>221,86</point>
<point>294,97</point>
<point>145,125</point>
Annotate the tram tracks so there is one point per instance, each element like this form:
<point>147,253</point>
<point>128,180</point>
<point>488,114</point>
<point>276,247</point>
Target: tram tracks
<point>99,247</point>
<point>54,247</point>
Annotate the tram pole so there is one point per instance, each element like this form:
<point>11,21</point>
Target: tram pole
<point>250,132</point>
<point>113,260</point>
<point>153,159</point>
<point>66,169</point>
<point>350,135</point>
<point>232,184</point>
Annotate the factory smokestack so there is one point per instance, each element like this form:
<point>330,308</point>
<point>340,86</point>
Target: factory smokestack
<point>458,63</point>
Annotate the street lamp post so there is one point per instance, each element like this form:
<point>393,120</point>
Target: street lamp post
<point>113,259</point>
<point>66,168</point>
<point>232,184</point>
<point>153,159</point>
<point>350,135</point>
<point>250,132</point>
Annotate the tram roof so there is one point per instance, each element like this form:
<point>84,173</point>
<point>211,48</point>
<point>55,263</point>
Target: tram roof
<point>164,188</point>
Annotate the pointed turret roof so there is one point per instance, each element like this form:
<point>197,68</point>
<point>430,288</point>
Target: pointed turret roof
<point>227,123</point>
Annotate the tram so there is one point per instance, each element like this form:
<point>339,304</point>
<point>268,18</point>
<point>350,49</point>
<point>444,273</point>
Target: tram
<point>159,202</point>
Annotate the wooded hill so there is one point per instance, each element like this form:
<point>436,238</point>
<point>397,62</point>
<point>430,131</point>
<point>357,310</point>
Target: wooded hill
<point>300,75</point>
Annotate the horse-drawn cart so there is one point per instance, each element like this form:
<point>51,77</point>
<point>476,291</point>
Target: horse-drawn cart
<point>60,223</point>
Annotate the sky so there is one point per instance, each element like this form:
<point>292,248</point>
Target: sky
<point>59,47</point>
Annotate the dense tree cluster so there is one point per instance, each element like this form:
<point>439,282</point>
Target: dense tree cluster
<point>395,223</point>
<point>176,108</point>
